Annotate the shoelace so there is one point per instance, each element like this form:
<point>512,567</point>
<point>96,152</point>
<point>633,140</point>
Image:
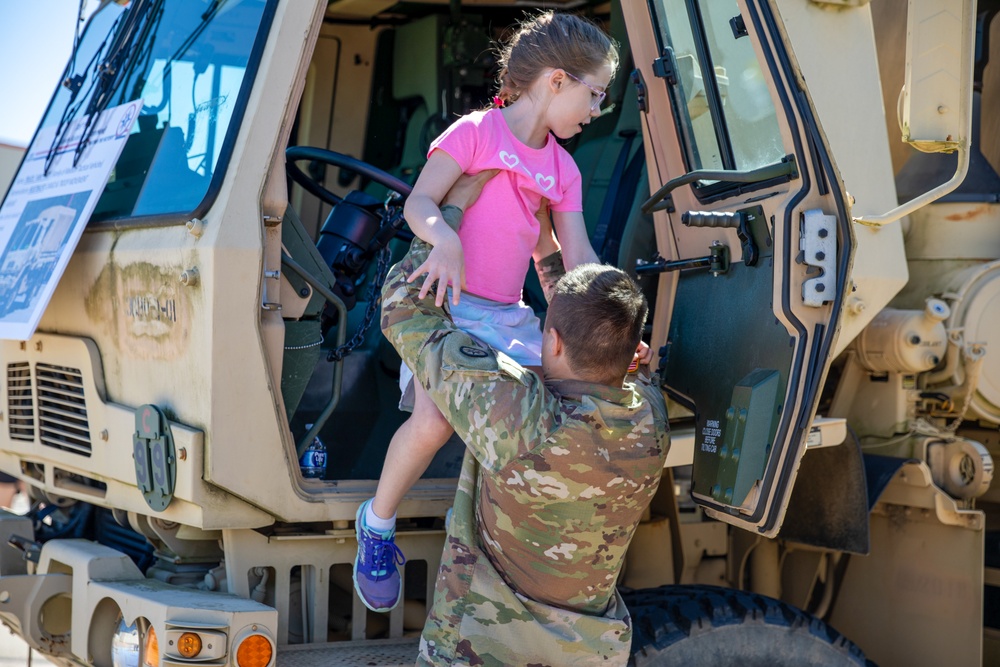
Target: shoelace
<point>384,553</point>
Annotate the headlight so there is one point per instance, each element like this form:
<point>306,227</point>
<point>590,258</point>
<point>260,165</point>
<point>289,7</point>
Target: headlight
<point>125,645</point>
<point>135,645</point>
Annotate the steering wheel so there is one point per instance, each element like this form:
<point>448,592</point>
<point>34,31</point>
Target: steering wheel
<point>294,154</point>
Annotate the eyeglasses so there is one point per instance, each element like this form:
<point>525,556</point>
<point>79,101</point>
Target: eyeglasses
<point>596,104</point>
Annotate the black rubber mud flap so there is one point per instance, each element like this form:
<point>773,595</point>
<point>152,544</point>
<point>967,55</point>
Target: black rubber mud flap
<point>829,504</point>
<point>710,625</point>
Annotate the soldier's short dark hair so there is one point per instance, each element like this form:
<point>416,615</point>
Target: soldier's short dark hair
<point>599,312</point>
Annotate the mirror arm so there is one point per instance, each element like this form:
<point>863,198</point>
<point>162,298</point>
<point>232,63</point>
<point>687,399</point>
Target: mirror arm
<point>924,199</point>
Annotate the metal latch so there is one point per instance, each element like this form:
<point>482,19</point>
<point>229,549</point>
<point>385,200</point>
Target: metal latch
<point>818,243</point>
<point>717,261</point>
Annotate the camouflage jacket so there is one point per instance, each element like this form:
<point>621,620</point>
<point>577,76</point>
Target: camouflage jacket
<point>556,477</point>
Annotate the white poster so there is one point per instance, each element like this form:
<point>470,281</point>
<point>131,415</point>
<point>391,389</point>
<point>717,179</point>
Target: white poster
<point>43,215</point>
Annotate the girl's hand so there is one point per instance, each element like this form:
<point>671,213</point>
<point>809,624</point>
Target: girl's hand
<point>445,266</point>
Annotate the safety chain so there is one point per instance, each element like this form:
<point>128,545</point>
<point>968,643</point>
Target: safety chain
<point>374,303</point>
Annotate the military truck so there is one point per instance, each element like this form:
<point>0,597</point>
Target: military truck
<point>805,189</point>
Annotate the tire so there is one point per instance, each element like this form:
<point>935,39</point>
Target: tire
<point>710,625</point>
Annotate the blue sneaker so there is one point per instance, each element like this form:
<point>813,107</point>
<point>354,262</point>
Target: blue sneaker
<point>376,575</point>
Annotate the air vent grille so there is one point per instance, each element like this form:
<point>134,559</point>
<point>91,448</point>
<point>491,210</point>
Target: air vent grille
<point>20,411</point>
<point>62,409</point>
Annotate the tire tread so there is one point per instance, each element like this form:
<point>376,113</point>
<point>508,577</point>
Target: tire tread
<point>666,615</point>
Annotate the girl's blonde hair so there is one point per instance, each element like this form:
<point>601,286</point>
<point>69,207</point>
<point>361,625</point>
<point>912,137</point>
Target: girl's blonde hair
<point>563,41</point>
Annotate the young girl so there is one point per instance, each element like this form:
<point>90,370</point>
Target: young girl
<point>555,71</point>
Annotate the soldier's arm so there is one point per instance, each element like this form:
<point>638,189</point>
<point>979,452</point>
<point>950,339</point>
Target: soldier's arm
<point>500,409</point>
<point>550,269</point>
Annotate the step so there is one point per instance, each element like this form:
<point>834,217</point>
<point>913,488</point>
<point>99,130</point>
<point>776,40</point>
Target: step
<point>375,652</point>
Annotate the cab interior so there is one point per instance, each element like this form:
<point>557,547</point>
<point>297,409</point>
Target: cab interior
<point>417,67</point>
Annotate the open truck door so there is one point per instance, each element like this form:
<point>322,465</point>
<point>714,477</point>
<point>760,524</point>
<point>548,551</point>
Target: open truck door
<point>755,245</point>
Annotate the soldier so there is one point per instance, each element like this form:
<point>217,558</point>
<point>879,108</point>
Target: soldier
<point>556,476</point>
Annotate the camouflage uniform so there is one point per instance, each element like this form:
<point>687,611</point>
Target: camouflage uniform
<point>555,479</point>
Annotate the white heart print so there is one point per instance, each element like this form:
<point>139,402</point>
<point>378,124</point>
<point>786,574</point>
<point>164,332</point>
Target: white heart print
<point>509,159</point>
<point>545,182</point>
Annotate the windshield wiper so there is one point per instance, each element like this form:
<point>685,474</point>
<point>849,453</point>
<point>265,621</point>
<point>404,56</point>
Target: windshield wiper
<point>105,78</point>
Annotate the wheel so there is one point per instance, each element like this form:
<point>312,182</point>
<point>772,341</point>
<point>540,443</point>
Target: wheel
<point>295,153</point>
<point>710,625</point>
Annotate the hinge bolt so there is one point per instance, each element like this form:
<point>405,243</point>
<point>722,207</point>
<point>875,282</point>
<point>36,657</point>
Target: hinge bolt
<point>190,277</point>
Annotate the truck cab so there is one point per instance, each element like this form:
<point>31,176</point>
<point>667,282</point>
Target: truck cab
<point>218,319</point>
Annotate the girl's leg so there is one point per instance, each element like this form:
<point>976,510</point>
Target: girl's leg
<point>410,452</point>
<point>376,574</point>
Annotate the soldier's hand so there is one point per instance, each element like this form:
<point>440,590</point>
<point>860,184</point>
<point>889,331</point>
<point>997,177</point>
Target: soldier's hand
<point>467,189</point>
<point>643,354</point>
<point>547,242</point>
<point>445,265</point>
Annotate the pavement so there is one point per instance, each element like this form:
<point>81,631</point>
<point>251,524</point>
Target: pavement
<point>14,652</point>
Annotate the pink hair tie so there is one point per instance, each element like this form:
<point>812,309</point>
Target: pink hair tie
<point>497,102</point>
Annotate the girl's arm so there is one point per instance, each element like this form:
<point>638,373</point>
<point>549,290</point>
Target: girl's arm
<point>572,232</point>
<point>446,263</point>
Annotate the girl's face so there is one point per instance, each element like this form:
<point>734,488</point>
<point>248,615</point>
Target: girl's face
<point>576,99</point>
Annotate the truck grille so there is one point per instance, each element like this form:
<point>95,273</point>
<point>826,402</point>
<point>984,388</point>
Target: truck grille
<point>62,409</point>
<point>20,411</point>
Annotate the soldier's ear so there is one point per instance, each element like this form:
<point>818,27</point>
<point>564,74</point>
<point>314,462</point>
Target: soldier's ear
<point>555,340</point>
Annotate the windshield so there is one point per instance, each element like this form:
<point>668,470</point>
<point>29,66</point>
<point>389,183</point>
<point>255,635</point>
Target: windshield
<point>188,61</point>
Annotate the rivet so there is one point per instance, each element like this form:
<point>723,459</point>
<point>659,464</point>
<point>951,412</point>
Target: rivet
<point>104,435</point>
<point>38,346</point>
<point>4,597</point>
<point>182,454</point>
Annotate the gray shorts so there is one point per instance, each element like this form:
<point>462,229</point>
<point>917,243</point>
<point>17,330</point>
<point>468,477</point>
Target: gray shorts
<point>511,328</point>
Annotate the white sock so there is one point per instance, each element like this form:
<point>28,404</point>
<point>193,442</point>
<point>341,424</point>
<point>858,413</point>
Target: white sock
<point>376,523</point>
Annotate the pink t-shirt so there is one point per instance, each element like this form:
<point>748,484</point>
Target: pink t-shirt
<point>499,232</point>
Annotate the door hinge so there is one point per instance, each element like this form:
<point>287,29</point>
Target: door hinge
<point>739,26</point>
<point>665,67</point>
<point>640,89</point>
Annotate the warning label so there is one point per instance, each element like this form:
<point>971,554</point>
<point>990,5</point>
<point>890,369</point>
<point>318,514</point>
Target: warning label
<point>709,436</point>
